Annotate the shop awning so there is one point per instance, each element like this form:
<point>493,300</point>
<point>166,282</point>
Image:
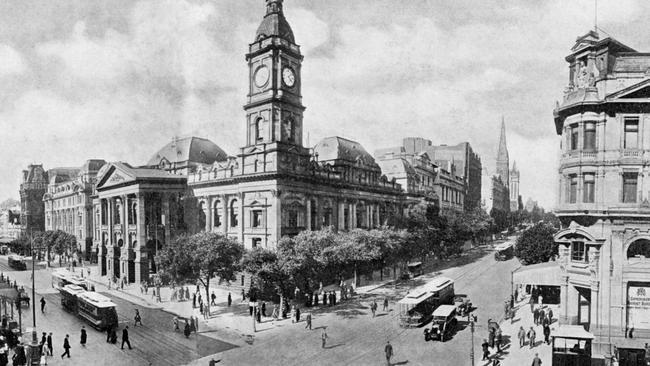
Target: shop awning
<point>572,332</point>
<point>541,274</point>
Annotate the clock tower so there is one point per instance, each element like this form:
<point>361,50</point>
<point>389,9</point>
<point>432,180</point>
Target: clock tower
<point>274,107</point>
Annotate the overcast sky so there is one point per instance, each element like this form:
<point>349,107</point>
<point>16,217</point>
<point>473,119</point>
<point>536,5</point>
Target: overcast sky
<point>117,79</point>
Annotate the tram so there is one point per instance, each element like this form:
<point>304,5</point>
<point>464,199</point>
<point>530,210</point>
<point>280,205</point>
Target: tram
<point>95,308</point>
<point>504,251</point>
<point>417,306</point>
<point>63,277</point>
<point>17,262</point>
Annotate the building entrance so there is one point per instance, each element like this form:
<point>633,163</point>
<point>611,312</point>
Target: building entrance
<point>584,306</point>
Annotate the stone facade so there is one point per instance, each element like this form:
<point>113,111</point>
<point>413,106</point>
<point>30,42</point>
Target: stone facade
<point>68,203</point>
<point>604,192</point>
<point>514,187</point>
<point>10,223</point>
<point>467,164</point>
<point>32,189</point>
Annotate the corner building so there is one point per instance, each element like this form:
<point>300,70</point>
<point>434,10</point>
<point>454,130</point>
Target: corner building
<point>275,186</point>
<point>604,192</point>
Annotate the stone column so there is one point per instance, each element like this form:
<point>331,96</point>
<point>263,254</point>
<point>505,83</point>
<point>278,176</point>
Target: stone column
<point>594,316</point>
<point>377,218</point>
<point>564,296</point>
<point>308,216</point>
<point>165,211</point>
<point>141,260</point>
<point>341,215</point>
<point>353,215</point>
<point>126,247</point>
<point>224,212</point>
<point>240,197</point>
<point>207,210</point>
<point>109,245</point>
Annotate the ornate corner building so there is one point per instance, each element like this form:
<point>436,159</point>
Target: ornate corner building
<point>604,191</point>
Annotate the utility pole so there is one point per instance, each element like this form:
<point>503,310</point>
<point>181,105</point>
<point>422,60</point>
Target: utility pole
<point>31,239</point>
<point>471,351</point>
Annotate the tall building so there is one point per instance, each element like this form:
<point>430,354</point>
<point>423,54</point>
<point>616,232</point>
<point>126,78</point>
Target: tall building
<point>495,187</point>
<point>467,164</point>
<point>68,202</point>
<point>514,187</point>
<point>32,189</point>
<point>603,194</point>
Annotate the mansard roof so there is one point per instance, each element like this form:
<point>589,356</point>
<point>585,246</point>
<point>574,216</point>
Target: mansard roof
<point>337,148</point>
<point>190,149</point>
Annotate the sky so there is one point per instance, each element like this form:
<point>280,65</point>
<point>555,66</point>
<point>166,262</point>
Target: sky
<point>116,80</point>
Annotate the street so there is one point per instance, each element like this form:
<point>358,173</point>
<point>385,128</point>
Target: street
<point>154,343</point>
<point>355,338</point>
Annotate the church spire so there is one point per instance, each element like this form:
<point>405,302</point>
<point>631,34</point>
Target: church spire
<point>503,160</point>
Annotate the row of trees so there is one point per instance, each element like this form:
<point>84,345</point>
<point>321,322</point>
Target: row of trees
<point>324,256</point>
<point>50,241</point>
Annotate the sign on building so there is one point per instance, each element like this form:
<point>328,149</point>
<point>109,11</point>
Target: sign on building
<point>638,307</point>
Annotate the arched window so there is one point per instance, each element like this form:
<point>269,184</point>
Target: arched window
<point>259,130</point>
<point>639,249</point>
<point>216,213</point>
<point>234,213</point>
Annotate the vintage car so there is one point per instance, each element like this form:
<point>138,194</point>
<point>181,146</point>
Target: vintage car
<point>463,304</point>
<point>443,324</point>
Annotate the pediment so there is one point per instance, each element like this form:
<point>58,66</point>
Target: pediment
<point>637,91</point>
<point>113,176</point>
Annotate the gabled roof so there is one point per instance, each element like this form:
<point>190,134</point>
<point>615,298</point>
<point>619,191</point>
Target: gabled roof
<point>190,149</point>
<point>119,173</point>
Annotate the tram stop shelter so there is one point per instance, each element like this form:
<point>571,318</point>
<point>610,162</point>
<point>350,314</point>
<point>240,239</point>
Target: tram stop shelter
<point>544,276</point>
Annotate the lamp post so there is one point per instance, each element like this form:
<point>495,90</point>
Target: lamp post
<point>31,240</point>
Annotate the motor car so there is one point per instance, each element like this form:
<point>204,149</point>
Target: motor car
<point>443,325</point>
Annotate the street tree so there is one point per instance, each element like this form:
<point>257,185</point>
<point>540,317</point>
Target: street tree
<point>268,272</point>
<point>201,257</point>
<point>536,244</point>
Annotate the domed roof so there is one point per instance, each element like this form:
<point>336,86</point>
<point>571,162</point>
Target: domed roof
<point>189,149</point>
<point>274,23</point>
<point>338,148</point>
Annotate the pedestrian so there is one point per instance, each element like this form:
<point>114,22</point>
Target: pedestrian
<point>199,299</point>
<point>536,316</point>
<point>213,299</point>
<point>334,299</point>
<point>196,324</point>
<point>550,316</point>
<point>540,300</point>
<point>522,336</point>
<point>545,320</point>
<point>206,313</point>
<point>258,314</point>
<point>187,330</point>
<point>194,300</point>
<point>531,337</point>
<point>125,337</point>
<point>516,298</point>
<point>42,345</point>
<point>388,350</point>
<point>385,304</point>
<point>486,350</point>
<point>315,298</point>
<point>176,328</point>
<point>372,309</point>
<point>243,295</point>
<point>308,319</point>
<point>491,336</point>
<point>229,299</point>
<point>547,334</point>
<point>536,360</point>
<point>66,347</point>
<point>50,348</point>
<point>293,313</point>
<point>263,309</point>
<point>325,295</point>
<point>532,304</point>
<point>499,338</point>
<point>323,337</point>
<point>137,318</point>
<point>84,336</point>
<point>42,305</point>
<point>201,307</point>
<point>297,314</point>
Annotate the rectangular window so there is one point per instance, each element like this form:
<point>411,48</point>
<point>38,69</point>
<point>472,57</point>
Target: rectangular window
<point>256,218</point>
<point>574,137</point>
<point>629,187</point>
<point>255,242</point>
<point>631,140</point>
<point>588,191</point>
<point>589,136</point>
<point>292,218</point>
<point>578,251</point>
<point>573,188</point>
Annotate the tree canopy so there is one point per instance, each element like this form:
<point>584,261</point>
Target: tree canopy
<point>536,244</point>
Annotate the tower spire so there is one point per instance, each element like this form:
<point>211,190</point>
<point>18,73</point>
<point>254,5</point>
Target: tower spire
<point>503,160</point>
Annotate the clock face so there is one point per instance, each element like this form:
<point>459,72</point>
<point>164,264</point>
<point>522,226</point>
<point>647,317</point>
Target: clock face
<point>261,76</point>
<point>288,77</point>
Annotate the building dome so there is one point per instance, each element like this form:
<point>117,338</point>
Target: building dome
<point>274,23</point>
<point>192,150</point>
